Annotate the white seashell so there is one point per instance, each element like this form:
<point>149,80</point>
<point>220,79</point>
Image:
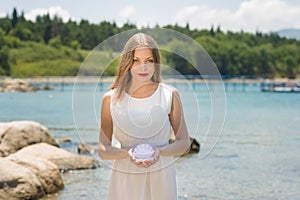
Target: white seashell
<point>143,151</point>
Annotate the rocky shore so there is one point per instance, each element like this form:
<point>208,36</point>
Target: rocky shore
<point>16,85</point>
<point>19,85</point>
<point>31,161</point>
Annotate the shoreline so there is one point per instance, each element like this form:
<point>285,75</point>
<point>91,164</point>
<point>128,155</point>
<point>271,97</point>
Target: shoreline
<point>110,79</point>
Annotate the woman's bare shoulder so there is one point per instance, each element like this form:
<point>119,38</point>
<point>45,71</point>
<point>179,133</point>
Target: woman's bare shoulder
<point>173,90</point>
<point>107,95</point>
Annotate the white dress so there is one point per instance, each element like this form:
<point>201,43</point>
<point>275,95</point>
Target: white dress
<point>136,121</point>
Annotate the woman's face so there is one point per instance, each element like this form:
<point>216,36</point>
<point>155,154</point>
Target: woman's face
<point>143,66</point>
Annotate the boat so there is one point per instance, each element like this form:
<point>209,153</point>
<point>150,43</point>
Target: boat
<point>280,87</point>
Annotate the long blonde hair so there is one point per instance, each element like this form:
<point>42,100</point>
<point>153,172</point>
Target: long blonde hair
<point>123,75</point>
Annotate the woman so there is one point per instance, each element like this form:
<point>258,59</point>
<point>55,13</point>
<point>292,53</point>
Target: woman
<point>140,109</point>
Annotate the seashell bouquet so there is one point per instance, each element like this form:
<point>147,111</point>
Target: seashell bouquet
<point>143,151</point>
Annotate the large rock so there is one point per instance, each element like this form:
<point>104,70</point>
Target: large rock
<point>16,85</point>
<point>18,182</point>
<point>47,172</point>
<point>18,134</point>
<point>63,140</point>
<point>87,148</point>
<point>63,159</point>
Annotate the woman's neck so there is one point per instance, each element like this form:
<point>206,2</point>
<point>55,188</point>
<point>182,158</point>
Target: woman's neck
<point>139,88</point>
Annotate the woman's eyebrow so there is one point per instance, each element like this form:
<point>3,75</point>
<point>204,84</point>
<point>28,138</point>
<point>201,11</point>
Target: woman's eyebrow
<point>146,58</point>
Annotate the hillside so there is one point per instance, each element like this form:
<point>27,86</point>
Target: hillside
<point>37,59</point>
<point>31,59</point>
<point>51,47</point>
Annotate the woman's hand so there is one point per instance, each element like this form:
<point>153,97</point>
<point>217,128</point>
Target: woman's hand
<point>144,162</point>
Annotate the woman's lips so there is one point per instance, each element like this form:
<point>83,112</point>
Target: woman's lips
<point>143,74</point>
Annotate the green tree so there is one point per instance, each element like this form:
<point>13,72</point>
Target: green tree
<point>2,40</point>
<point>291,67</point>
<point>69,33</point>
<point>14,19</point>
<point>56,24</point>
<point>237,53</point>
<point>5,24</point>
<point>75,44</point>
<point>22,33</point>
<point>46,22</point>
<point>55,42</point>
<point>12,41</point>
<point>4,64</point>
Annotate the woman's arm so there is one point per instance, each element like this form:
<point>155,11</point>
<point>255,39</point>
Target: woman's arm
<point>105,150</point>
<point>182,140</point>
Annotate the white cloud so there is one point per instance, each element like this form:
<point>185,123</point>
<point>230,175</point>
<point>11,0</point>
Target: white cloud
<point>127,12</point>
<point>3,15</point>
<point>252,15</point>
<point>53,11</point>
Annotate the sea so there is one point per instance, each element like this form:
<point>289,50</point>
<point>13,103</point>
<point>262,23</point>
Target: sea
<point>250,140</point>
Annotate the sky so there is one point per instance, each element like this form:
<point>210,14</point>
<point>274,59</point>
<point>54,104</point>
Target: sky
<point>233,15</point>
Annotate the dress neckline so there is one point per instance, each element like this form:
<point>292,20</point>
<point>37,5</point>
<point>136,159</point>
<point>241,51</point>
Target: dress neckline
<point>144,98</point>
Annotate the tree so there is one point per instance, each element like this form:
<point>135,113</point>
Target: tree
<point>4,65</point>
<point>75,44</point>
<point>2,35</point>
<point>238,53</point>
<point>46,23</point>
<point>55,26</point>
<point>55,42</point>
<point>5,24</point>
<point>14,19</point>
<point>47,34</point>
<point>22,33</point>
<point>69,32</point>
<point>12,41</point>
<point>212,31</point>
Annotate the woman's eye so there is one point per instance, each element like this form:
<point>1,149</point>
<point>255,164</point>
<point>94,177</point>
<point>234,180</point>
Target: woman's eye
<point>150,61</point>
<point>135,60</point>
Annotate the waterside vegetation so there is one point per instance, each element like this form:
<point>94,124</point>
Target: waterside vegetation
<point>51,47</point>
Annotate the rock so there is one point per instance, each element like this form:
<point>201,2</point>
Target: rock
<point>47,172</point>
<point>63,159</point>
<point>87,148</point>
<point>195,146</point>
<point>18,182</point>
<point>18,134</point>
<point>16,85</point>
<point>63,140</point>
<point>47,88</point>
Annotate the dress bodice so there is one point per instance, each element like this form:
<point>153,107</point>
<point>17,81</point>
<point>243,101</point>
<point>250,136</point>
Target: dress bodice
<point>142,120</point>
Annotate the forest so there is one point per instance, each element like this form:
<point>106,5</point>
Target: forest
<point>50,47</point>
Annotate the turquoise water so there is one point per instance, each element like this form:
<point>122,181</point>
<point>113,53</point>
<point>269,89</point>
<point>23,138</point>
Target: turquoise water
<point>256,157</point>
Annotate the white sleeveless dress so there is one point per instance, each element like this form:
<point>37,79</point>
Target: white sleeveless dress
<point>136,121</point>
